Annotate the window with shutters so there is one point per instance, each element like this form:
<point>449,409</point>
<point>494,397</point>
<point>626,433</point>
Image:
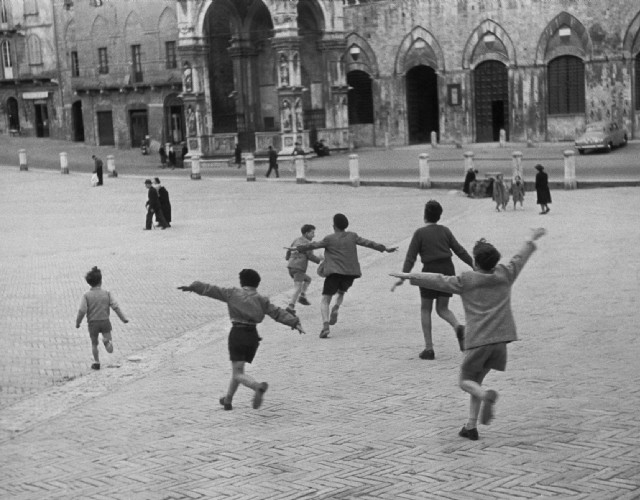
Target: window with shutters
<point>170,49</point>
<point>75,64</point>
<point>637,82</point>
<point>566,85</point>
<point>103,61</point>
<point>136,63</point>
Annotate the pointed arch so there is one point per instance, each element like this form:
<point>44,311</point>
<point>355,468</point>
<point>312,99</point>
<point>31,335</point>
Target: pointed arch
<point>549,46</point>
<point>133,27</point>
<point>34,50</point>
<point>366,61</point>
<point>419,46</point>
<point>100,28</point>
<point>167,22</point>
<point>631,42</point>
<point>504,49</point>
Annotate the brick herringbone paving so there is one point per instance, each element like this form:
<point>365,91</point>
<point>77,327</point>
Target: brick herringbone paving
<point>357,415</point>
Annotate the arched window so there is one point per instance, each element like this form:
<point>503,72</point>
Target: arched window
<point>360,97</point>
<point>4,12</point>
<point>35,50</point>
<point>638,81</point>
<point>7,63</point>
<point>566,85</point>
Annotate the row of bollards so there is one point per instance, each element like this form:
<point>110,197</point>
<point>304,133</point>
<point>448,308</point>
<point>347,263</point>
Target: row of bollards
<point>64,163</point>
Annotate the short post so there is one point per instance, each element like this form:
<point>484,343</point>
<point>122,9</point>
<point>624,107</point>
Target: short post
<point>195,167</point>
<point>517,165</point>
<point>423,163</point>
<point>111,166</point>
<point>468,161</point>
<point>251,167</point>
<point>22,156</point>
<point>570,169</point>
<point>503,137</point>
<point>386,140</point>
<point>300,169</point>
<point>434,139</point>
<point>64,163</point>
<point>354,171</point>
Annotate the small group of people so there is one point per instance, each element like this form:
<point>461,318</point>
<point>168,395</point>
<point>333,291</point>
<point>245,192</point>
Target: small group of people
<point>169,158</point>
<point>158,204</point>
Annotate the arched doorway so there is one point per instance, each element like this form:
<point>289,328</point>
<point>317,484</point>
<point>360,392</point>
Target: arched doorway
<point>78,121</point>
<point>423,114</point>
<point>13,118</point>
<point>174,122</point>
<point>360,97</point>
<point>491,81</point>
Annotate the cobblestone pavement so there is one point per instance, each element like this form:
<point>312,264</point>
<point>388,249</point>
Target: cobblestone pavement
<point>355,416</point>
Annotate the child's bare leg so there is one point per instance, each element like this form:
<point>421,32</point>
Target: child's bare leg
<point>298,286</point>
<point>108,344</point>
<point>238,376</point>
<point>94,350</point>
<point>324,308</point>
<point>477,394</point>
<point>303,288</point>
<point>442,309</point>
<point>426,306</point>
<point>333,317</point>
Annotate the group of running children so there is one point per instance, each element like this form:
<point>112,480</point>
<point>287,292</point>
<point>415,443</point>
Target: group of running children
<point>485,292</point>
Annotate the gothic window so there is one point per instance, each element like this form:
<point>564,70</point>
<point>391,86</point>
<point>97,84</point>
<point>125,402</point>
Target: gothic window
<point>4,12</point>
<point>136,63</point>
<point>638,81</point>
<point>7,63</point>
<point>75,64</point>
<point>103,61</point>
<point>35,50</point>
<point>566,85</point>
<point>170,49</point>
<point>360,97</point>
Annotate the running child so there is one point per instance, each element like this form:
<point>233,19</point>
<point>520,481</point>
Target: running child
<point>486,298</point>
<point>96,305</point>
<point>297,263</point>
<point>246,308</point>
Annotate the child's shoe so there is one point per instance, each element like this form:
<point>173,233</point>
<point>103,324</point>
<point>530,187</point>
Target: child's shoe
<point>95,366</point>
<point>469,433</point>
<point>427,354</point>
<point>325,331</point>
<point>333,319</point>
<point>303,300</point>
<point>486,412</point>
<point>460,336</point>
<point>257,397</point>
<point>223,402</point>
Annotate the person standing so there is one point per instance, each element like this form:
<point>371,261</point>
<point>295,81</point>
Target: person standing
<point>500,194</point>
<point>172,157</point>
<point>434,244</point>
<point>185,152</point>
<point>153,207</point>
<point>469,178</point>
<point>517,191</point>
<point>97,168</point>
<point>237,154</point>
<point>163,198</point>
<point>163,156</point>
<point>542,190</point>
<point>341,266</point>
<point>273,162</point>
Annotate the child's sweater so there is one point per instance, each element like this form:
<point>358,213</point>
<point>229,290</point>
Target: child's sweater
<point>300,260</point>
<point>96,303</point>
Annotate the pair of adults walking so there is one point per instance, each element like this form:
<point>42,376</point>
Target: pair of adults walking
<point>158,204</point>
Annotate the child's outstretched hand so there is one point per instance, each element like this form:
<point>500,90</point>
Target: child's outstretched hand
<point>186,288</point>
<point>391,249</point>
<point>537,233</point>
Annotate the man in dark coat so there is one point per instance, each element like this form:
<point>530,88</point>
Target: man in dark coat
<point>163,198</point>
<point>163,156</point>
<point>153,207</point>
<point>238,155</point>
<point>98,168</point>
<point>273,162</point>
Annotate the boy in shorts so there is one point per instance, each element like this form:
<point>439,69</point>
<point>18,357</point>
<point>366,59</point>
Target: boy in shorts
<point>486,298</point>
<point>297,263</point>
<point>246,308</point>
<point>96,304</point>
<point>341,266</point>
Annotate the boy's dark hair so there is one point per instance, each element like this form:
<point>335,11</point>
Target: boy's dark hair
<point>94,277</point>
<point>341,221</point>
<point>485,255</point>
<point>432,211</point>
<point>306,228</point>
<point>249,277</point>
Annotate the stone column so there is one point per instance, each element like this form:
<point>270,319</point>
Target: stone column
<point>570,169</point>
<point>354,171</point>
<point>468,161</point>
<point>251,167</point>
<point>423,163</point>
<point>517,165</point>
<point>195,167</point>
<point>335,90</point>
<point>64,163</point>
<point>22,158</point>
<point>111,166</point>
<point>300,169</point>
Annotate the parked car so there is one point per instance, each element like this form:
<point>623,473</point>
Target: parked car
<point>601,135</point>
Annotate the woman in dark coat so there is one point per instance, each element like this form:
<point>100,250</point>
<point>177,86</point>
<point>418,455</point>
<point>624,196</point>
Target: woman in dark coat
<point>542,190</point>
<point>163,197</point>
<point>469,178</point>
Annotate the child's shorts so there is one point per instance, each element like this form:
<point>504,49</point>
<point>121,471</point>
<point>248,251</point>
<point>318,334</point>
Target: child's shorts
<point>243,343</point>
<point>441,266</point>
<point>337,283</point>
<point>299,276</point>
<point>101,326</point>
<point>481,359</point>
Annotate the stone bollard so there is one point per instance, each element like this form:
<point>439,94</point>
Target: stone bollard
<point>434,139</point>
<point>386,140</point>
<point>300,169</point>
<point>468,161</point>
<point>111,166</point>
<point>570,169</point>
<point>64,163</point>
<point>251,167</point>
<point>354,171</point>
<point>423,163</point>
<point>517,165</point>
<point>195,167</point>
<point>503,137</point>
<point>22,157</point>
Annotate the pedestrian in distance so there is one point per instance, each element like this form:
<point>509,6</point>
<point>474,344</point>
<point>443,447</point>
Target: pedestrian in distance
<point>435,244</point>
<point>163,156</point>
<point>185,152</point>
<point>237,154</point>
<point>517,191</point>
<point>486,297</point>
<point>542,190</point>
<point>163,198</point>
<point>153,207</point>
<point>340,267</point>
<point>500,193</point>
<point>246,308</point>
<point>468,179</point>
<point>273,162</point>
<point>172,157</point>
<point>297,263</point>
<point>97,169</point>
<point>96,304</point>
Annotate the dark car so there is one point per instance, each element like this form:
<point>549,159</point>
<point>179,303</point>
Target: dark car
<point>601,135</point>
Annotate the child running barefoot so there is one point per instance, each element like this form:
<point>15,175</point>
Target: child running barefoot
<point>95,304</point>
<point>486,297</point>
<point>297,263</point>
<point>246,308</point>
